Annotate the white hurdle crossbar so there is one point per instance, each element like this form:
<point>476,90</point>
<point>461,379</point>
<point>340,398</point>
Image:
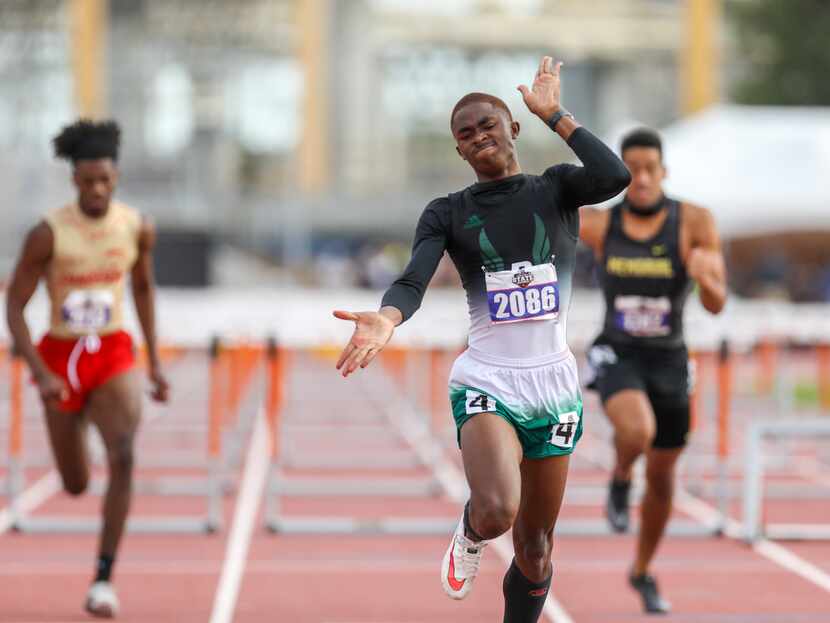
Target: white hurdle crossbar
<point>281,484</point>
<point>211,485</point>
<point>753,495</point>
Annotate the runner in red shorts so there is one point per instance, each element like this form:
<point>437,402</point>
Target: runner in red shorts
<point>84,366</point>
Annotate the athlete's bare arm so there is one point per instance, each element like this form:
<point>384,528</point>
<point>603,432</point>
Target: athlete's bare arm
<point>143,286</point>
<point>32,265</point>
<point>593,224</point>
<point>704,258</point>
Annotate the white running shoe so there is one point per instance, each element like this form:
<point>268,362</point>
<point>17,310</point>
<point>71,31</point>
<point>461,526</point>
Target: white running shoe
<point>101,600</point>
<point>461,563</point>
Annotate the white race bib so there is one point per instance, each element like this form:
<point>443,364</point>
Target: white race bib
<point>87,311</point>
<point>564,432</point>
<point>642,316</point>
<point>525,293</point>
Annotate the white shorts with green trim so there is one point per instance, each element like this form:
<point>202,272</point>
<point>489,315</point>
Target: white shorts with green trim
<point>542,402</point>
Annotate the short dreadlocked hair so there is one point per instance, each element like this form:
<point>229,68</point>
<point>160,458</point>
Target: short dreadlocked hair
<point>479,97</point>
<point>88,140</point>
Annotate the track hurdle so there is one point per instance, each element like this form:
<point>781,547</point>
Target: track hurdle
<point>15,475</point>
<point>780,368</point>
<point>715,421</point>
<point>755,527</point>
<point>208,485</point>
<point>725,376</point>
<point>823,370</point>
<point>285,482</point>
<point>419,411</point>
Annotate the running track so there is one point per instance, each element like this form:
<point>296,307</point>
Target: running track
<point>246,574</point>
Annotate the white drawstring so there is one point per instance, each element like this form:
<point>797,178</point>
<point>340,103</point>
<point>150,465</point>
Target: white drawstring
<point>86,343</point>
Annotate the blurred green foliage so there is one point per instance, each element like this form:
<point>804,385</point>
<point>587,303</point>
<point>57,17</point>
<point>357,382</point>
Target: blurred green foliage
<point>786,47</point>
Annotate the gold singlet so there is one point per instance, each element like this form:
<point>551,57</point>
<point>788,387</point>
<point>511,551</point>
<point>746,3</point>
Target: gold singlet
<point>87,273</point>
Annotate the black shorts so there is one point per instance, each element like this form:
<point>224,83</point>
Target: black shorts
<point>664,376</point>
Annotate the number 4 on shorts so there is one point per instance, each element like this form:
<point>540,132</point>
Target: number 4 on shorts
<point>565,431</point>
<point>479,403</point>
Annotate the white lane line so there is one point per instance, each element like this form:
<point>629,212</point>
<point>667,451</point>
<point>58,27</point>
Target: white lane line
<point>242,527</point>
<point>709,515</point>
<point>789,560</point>
<point>455,485</point>
<point>43,488</point>
<point>778,554</point>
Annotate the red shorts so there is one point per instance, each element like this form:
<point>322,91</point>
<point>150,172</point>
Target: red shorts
<point>86,363</point>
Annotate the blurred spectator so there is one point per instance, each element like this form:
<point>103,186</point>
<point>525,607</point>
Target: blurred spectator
<point>824,285</point>
<point>334,266</point>
<point>382,264</point>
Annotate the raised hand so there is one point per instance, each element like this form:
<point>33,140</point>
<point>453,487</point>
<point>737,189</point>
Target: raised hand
<point>542,98</point>
<point>371,333</point>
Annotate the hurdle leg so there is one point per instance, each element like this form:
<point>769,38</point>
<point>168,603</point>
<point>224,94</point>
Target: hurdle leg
<point>272,408</point>
<point>823,357</point>
<point>724,409</point>
<point>16,478</point>
<point>215,416</point>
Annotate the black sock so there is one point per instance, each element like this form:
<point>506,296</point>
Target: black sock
<point>523,599</point>
<point>104,569</point>
<point>468,529</point>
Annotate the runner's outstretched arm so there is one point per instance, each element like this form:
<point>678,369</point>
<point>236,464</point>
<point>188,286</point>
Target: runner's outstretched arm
<point>37,251</point>
<point>144,296</point>
<point>374,329</point>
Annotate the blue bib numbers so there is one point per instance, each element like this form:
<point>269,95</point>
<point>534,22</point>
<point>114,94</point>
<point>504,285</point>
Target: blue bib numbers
<point>525,293</point>
<point>87,311</point>
<point>642,316</point>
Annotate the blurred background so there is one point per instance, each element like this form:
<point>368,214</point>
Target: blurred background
<point>295,142</point>
<point>286,149</point>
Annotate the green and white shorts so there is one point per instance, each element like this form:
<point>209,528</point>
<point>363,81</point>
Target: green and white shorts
<point>542,402</point>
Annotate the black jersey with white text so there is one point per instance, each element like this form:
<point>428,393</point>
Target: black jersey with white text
<point>513,243</point>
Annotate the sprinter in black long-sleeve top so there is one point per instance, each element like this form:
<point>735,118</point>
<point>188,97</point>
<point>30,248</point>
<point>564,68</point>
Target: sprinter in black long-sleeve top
<point>514,392</point>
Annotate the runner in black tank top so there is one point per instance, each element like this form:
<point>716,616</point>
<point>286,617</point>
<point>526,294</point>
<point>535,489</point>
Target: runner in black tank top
<point>644,283</point>
<point>651,250</point>
<point>514,393</point>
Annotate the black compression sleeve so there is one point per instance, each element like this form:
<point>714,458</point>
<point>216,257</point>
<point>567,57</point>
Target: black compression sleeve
<point>602,175</point>
<point>408,290</point>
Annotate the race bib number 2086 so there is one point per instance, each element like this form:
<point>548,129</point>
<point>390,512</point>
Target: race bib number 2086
<point>525,292</point>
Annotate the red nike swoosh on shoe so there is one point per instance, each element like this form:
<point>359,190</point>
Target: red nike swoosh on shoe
<point>455,584</point>
<point>539,592</point>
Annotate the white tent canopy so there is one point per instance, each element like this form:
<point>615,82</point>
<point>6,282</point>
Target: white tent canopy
<point>759,169</point>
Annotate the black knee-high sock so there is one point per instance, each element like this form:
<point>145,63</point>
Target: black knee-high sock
<point>523,599</point>
<point>103,570</point>
<point>468,529</point>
